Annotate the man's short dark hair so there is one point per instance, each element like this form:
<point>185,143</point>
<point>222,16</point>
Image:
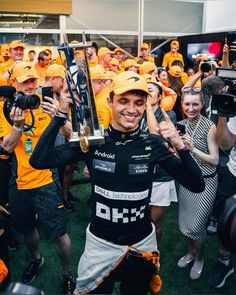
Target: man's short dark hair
<point>212,85</point>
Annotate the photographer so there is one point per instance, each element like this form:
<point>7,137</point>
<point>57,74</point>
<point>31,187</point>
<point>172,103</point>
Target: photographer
<point>33,191</point>
<point>226,138</point>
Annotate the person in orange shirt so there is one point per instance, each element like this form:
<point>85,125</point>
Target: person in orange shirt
<point>172,55</point>
<point>145,54</point>
<point>104,57</point>
<point>101,93</point>
<point>42,65</point>
<point>114,65</point>
<point>16,50</point>
<point>92,52</point>
<point>131,65</point>
<point>119,55</point>
<point>34,191</point>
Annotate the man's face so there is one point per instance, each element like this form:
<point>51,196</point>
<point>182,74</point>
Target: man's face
<point>28,87</point>
<point>17,53</point>
<point>107,58</point>
<point>45,61</point>
<point>144,52</point>
<point>174,48</point>
<point>57,84</point>
<point>127,111</point>
<point>113,68</point>
<point>133,69</point>
<point>98,85</point>
<point>118,55</point>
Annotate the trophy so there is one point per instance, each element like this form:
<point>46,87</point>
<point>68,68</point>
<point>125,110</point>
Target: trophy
<point>85,127</point>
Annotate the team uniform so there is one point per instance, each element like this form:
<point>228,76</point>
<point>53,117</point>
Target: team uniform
<point>28,186</point>
<point>121,178</point>
<point>169,57</point>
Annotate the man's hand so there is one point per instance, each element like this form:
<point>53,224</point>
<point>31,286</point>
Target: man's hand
<point>187,139</point>
<point>66,100</point>
<point>17,115</point>
<point>50,106</point>
<point>168,131</point>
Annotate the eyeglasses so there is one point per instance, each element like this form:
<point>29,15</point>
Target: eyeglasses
<point>192,90</point>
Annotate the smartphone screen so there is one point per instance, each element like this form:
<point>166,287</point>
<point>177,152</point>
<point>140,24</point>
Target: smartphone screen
<point>181,128</point>
<point>47,91</point>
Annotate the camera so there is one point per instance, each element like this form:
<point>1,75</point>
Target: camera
<point>19,99</point>
<point>207,64</point>
<point>225,103</point>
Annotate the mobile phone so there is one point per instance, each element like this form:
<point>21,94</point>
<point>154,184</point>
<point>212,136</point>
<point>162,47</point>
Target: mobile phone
<point>47,91</point>
<point>231,37</point>
<point>181,128</point>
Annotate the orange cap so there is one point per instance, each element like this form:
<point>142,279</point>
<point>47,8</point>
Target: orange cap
<point>55,71</point>
<point>114,62</point>
<point>118,49</point>
<point>104,50</point>
<point>23,71</point>
<point>144,46</point>
<point>146,67</point>
<point>16,43</point>
<point>127,81</point>
<point>150,78</point>
<point>129,63</point>
<point>175,71</point>
<point>97,73</point>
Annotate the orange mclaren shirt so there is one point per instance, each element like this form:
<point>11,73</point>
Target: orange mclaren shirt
<point>26,176</point>
<point>169,57</point>
<point>104,112</point>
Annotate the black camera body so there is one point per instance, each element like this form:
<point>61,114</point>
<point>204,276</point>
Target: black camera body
<point>19,99</point>
<point>225,103</point>
<point>25,102</point>
<point>206,67</point>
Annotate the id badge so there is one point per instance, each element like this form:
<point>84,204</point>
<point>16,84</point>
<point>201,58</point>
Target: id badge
<point>28,146</point>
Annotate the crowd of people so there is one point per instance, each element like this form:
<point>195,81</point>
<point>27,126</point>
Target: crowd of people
<point>160,129</point>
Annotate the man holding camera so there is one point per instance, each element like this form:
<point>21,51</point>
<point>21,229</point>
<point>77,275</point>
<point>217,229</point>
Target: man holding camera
<point>33,191</point>
<point>226,138</point>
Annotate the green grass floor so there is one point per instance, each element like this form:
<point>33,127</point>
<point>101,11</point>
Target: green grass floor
<point>175,281</point>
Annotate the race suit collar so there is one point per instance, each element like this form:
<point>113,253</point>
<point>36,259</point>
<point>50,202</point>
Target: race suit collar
<point>119,135</point>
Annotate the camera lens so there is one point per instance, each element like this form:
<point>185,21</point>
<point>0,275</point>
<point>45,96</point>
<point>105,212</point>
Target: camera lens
<point>32,101</point>
<point>205,67</point>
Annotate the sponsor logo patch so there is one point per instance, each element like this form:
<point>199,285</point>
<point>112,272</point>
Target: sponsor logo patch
<point>104,166</point>
<point>122,215</point>
<point>126,196</point>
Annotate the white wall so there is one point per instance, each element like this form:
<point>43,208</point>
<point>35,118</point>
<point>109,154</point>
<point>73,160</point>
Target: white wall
<point>219,16</point>
<point>160,16</point>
